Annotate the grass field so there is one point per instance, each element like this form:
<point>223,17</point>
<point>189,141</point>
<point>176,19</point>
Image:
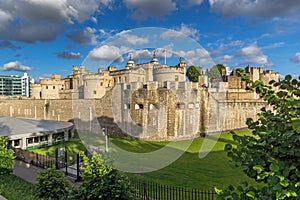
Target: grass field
<point>15,188</point>
<point>189,170</point>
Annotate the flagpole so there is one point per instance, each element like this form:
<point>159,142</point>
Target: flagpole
<point>165,56</point>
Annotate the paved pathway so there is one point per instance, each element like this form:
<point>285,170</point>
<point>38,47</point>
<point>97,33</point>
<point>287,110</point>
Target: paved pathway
<point>26,171</point>
<point>2,198</point>
<point>29,173</point>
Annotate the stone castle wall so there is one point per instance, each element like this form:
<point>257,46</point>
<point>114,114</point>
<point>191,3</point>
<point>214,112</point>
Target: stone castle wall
<point>149,112</point>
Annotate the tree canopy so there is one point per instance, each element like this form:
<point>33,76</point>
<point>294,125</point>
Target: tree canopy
<point>272,154</point>
<point>216,71</point>
<point>193,73</point>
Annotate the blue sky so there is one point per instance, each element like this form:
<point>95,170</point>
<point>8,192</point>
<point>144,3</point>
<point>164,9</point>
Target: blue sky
<point>43,37</point>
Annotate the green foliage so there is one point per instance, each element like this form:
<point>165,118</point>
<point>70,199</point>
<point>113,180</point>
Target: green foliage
<point>216,71</point>
<point>103,182</point>
<point>272,154</point>
<point>15,188</point>
<point>6,157</point>
<point>52,185</point>
<point>193,73</point>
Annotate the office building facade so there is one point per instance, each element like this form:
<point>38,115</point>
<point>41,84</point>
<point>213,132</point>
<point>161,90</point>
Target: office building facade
<point>15,85</point>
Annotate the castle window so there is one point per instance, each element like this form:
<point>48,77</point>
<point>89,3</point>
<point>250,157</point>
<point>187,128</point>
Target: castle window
<point>190,105</point>
<point>47,87</point>
<point>154,107</point>
<point>176,78</point>
<point>53,87</point>
<point>95,92</point>
<point>101,83</point>
<point>180,105</point>
<point>138,106</point>
<point>126,106</point>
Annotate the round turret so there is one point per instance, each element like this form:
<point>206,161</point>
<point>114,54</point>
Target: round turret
<point>130,63</point>
<point>154,59</point>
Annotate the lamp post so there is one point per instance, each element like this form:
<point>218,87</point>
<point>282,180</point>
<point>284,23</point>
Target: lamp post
<point>90,109</point>
<point>104,132</point>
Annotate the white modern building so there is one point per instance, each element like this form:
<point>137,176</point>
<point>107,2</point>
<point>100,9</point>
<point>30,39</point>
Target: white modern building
<point>15,85</point>
<point>23,132</point>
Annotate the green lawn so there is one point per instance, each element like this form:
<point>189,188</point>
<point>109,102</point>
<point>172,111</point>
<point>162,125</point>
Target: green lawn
<point>15,188</point>
<point>73,148</point>
<point>189,170</point>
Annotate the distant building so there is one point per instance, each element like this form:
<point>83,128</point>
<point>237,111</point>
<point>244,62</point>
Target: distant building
<point>15,85</point>
<point>48,88</point>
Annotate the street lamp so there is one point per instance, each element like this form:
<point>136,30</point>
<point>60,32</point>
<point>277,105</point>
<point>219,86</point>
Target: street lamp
<point>104,132</point>
<point>90,109</point>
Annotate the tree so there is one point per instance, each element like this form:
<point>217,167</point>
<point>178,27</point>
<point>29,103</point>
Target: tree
<point>6,157</point>
<point>193,73</point>
<point>216,71</point>
<point>103,182</point>
<point>272,154</point>
<point>52,185</point>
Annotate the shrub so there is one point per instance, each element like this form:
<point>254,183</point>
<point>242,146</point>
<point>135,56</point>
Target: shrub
<point>52,185</point>
<point>6,157</point>
<point>103,182</point>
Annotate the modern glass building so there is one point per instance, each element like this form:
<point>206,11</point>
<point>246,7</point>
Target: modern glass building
<point>15,85</point>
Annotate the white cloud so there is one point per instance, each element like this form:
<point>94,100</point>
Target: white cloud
<point>125,38</point>
<point>142,9</point>
<point>236,43</point>
<point>257,8</point>
<point>194,2</point>
<point>15,66</point>
<point>42,20</point>
<point>274,45</point>
<point>94,19</point>
<point>141,54</point>
<point>8,44</point>
<point>196,57</point>
<point>181,32</point>
<point>108,53</point>
<point>227,58</point>
<point>84,37</point>
<point>296,58</point>
<point>68,55</point>
<point>253,55</point>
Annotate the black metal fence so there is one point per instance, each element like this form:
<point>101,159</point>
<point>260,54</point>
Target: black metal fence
<point>62,162</point>
<point>144,190</point>
<point>151,191</point>
<point>35,159</point>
